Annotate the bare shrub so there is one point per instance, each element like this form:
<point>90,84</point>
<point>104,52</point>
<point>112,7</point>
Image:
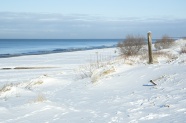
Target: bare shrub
<point>131,45</point>
<point>164,43</point>
<point>85,71</point>
<point>183,50</point>
<point>184,38</point>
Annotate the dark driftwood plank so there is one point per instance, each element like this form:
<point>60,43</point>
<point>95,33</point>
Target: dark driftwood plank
<point>32,67</point>
<point>6,68</point>
<point>153,82</point>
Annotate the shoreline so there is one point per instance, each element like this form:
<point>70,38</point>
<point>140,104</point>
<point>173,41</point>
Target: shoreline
<point>54,51</point>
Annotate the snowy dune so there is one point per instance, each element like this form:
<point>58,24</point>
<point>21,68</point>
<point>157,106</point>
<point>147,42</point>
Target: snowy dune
<point>118,92</point>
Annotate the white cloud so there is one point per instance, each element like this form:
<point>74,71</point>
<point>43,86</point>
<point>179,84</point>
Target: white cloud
<point>46,25</point>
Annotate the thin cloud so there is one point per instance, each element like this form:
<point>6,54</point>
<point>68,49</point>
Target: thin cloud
<point>47,25</point>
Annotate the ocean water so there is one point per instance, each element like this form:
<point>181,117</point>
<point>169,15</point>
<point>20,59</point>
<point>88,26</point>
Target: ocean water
<point>19,47</point>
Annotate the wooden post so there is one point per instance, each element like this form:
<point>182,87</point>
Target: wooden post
<point>149,37</point>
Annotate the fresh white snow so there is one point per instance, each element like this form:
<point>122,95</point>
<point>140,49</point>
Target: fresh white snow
<point>118,92</point>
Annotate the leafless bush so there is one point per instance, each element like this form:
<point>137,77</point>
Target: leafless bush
<point>184,38</point>
<point>131,45</point>
<point>183,50</point>
<point>85,71</point>
<point>164,43</point>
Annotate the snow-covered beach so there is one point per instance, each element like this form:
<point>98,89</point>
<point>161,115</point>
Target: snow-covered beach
<point>53,88</point>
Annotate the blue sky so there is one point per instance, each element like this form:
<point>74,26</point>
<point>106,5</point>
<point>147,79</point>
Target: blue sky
<point>91,19</point>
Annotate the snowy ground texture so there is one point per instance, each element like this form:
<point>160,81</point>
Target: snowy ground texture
<point>66,88</point>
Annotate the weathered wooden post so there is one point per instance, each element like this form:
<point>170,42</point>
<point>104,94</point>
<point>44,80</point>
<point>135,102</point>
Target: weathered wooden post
<point>149,37</point>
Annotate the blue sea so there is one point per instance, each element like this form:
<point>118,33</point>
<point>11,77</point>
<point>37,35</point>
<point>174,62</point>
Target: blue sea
<point>20,47</point>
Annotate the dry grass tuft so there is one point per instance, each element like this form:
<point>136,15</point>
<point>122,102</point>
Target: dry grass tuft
<point>100,73</point>
<point>6,88</point>
<point>136,59</point>
<point>160,54</point>
<point>109,71</point>
<point>39,82</point>
<point>39,98</point>
<point>34,83</point>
